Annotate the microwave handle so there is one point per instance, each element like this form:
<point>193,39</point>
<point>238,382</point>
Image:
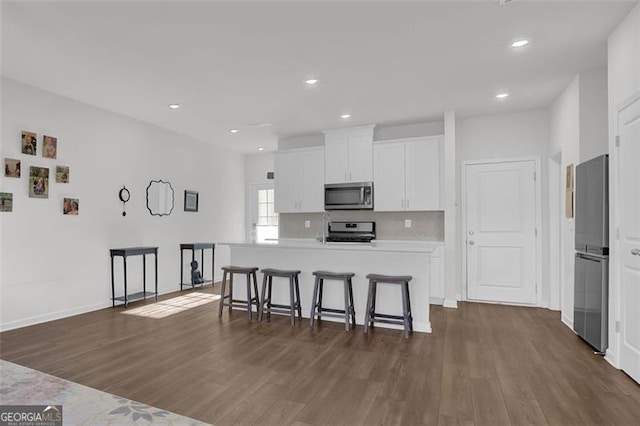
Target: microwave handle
<point>361,195</point>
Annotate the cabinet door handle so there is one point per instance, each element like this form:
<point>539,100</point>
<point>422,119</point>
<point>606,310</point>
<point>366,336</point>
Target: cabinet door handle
<point>635,252</point>
<point>345,176</point>
<point>349,176</point>
<point>408,204</point>
<point>402,203</point>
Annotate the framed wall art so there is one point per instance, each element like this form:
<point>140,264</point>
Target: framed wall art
<point>6,202</point>
<point>190,201</point>
<point>49,147</point>
<point>71,206</point>
<point>38,182</point>
<point>62,174</point>
<point>29,143</point>
<point>11,168</point>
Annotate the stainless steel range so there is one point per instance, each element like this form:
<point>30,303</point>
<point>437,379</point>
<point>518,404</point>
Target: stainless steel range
<point>351,232</point>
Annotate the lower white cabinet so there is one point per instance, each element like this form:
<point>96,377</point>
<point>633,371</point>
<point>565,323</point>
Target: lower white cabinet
<point>407,174</point>
<point>299,181</point>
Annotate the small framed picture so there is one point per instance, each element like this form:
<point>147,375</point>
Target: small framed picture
<point>38,182</point>
<point>11,168</point>
<point>6,202</point>
<point>49,147</point>
<point>29,143</point>
<point>190,201</point>
<point>71,206</point>
<point>62,174</point>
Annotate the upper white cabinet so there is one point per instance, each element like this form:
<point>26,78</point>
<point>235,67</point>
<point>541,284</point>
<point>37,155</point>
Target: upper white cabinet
<point>349,155</point>
<point>299,181</point>
<point>407,174</point>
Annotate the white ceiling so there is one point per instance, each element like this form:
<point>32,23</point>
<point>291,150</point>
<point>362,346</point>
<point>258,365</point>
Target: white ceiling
<point>230,64</point>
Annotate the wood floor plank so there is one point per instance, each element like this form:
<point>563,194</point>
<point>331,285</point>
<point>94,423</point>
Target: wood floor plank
<point>483,364</point>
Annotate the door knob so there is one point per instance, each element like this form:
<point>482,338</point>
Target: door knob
<point>635,252</point>
<point>472,232</point>
<point>471,242</point>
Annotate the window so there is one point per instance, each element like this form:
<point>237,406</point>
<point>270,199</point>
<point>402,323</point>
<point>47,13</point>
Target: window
<point>266,221</point>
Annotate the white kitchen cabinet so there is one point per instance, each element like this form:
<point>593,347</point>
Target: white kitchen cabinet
<point>299,181</point>
<point>349,155</point>
<point>407,174</point>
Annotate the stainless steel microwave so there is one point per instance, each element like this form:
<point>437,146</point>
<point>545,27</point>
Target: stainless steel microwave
<point>348,196</point>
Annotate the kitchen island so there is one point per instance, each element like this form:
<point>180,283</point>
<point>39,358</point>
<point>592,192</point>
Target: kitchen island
<point>380,257</point>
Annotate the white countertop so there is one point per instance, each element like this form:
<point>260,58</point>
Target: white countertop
<point>377,245</point>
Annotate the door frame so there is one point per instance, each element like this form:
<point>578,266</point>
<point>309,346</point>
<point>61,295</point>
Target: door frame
<point>538,218</point>
<point>615,264</point>
<point>252,201</point>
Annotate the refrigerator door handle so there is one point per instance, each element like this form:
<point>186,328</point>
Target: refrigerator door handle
<point>635,252</point>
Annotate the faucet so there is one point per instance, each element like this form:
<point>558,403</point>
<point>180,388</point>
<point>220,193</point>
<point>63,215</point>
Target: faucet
<point>326,222</point>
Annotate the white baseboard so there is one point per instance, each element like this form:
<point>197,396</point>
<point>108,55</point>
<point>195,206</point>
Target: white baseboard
<point>448,303</point>
<point>436,301</point>
<point>567,321</point>
<point>53,316</point>
<point>610,357</point>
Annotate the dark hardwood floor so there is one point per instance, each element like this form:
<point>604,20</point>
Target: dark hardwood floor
<point>482,365</point>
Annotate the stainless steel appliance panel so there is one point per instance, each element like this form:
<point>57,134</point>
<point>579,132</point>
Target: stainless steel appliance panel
<point>592,206</point>
<point>591,299</point>
<point>348,196</point>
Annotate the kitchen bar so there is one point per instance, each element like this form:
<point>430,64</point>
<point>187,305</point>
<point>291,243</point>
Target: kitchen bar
<point>380,257</point>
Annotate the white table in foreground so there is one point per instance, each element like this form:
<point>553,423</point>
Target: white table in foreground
<point>388,258</point>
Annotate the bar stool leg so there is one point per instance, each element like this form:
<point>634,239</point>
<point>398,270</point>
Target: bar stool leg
<point>367,315</point>
<point>352,308</point>
<point>249,295</point>
<point>314,301</point>
<point>264,290</point>
<point>405,312</point>
<point>230,290</point>
<point>222,296</point>
<point>410,310</point>
<point>256,299</point>
<point>269,297</point>
<point>347,310</point>
<point>320,298</point>
<point>292,308</point>
<point>298,304</point>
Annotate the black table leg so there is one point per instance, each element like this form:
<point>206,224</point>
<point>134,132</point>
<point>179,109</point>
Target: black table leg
<point>124,259</point>
<point>113,286</point>
<point>181,268</point>
<point>144,275</point>
<point>156,267</point>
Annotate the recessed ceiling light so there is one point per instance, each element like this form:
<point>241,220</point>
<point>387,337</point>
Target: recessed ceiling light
<point>311,81</point>
<point>233,130</point>
<point>261,149</point>
<point>345,116</point>
<point>520,43</point>
<point>174,106</point>
<point>502,95</point>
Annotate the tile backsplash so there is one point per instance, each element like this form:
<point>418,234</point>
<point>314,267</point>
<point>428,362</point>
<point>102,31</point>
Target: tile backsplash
<point>425,225</point>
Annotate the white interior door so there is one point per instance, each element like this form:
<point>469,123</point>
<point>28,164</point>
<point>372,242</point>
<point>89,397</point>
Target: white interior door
<point>629,268</point>
<point>500,200</point>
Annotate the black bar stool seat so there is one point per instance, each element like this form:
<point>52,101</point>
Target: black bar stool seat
<point>371,316</point>
<point>348,312</point>
<point>266,305</point>
<point>228,300</point>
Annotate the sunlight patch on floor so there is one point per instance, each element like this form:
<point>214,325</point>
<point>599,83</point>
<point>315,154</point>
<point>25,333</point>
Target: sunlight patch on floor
<point>173,306</point>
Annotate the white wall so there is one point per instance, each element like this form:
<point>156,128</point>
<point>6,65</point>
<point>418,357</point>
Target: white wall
<point>623,82</point>
<point>565,139</point>
<point>54,265</point>
<point>594,136</point>
<point>522,134</point>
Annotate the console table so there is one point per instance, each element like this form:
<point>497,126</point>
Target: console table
<point>134,251</point>
<point>193,247</point>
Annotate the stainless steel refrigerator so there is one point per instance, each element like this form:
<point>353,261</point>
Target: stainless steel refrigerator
<point>592,252</point>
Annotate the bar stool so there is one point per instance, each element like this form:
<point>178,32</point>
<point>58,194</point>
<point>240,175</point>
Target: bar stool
<point>294,294</point>
<point>236,303</point>
<point>372,316</point>
<point>348,312</point>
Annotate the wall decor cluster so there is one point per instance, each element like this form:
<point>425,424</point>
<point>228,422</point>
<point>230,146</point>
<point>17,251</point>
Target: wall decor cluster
<point>6,202</point>
<point>39,179</point>
<point>569,192</point>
